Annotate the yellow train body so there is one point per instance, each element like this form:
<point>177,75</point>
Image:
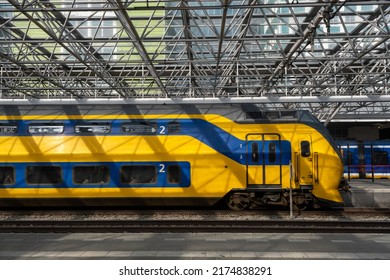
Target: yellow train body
<point>217,155</point>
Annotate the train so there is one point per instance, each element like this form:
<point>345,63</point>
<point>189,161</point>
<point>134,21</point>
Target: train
<point>365,159</point>
<point>168,155</point>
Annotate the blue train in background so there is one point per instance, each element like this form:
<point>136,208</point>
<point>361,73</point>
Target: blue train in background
<point>365,159</point>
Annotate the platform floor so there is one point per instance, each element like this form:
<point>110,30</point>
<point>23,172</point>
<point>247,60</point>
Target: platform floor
<point>365,193</point>
<point>368,193</point>
<point>194,246</point>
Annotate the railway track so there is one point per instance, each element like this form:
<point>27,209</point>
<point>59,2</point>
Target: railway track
<point>150,213</point>
<point>194,226</point>
<point>163,220</point>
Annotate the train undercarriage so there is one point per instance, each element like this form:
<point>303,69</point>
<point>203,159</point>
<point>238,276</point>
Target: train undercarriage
<point>301,198</point>
<point>251,200</point>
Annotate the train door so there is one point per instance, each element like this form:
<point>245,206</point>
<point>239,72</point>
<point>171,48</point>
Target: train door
<point>264,159</point>
<point>304,158</point>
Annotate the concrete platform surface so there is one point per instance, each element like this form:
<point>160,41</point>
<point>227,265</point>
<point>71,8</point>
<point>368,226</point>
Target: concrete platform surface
<point>194,246</point>
<point>368,193</point>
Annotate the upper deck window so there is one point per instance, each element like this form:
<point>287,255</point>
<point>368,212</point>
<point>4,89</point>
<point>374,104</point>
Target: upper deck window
<point>46,128</point>
<point>139,127</point>
<point>93,128</point>
<point>174,127</point>
<point>6,128</point>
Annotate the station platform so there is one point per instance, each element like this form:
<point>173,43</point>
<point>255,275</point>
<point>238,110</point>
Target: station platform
<point>372,194</point>
<point>215,246</point>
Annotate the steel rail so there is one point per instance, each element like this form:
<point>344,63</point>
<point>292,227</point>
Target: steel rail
<point>194,226</point>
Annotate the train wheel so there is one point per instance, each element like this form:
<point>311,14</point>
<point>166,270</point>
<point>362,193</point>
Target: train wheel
<point>238,201</point>
<point>299,203</point>
<point>300,206</point>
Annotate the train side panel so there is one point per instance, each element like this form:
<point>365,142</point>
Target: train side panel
<point>180,156</point>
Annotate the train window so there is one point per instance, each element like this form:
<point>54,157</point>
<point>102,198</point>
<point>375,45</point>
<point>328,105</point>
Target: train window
<point>379,158</point>
<point>347,157</point>
<point>7,175</point>
<point>255,152</point>
<point>139,128</point>
<point>92,128</point>
<point>43,175</point>
<point>174,174</point>
<point>173,127</point>
<point>46,128</point>
<point>138,174</point>
<point>8,128</point>
<point>272,152</point>
<point>305,148</point>
<point>97,174</point>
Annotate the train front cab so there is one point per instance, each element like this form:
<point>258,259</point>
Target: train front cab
<point>275,165</point>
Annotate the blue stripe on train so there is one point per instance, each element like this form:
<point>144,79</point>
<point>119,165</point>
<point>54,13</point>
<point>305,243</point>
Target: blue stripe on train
<point>161,180</point>
<point>206,132</point>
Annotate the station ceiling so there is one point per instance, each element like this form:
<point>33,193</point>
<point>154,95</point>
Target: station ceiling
<point>329,57</point>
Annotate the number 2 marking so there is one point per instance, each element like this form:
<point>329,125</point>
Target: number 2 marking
<point>162,131</point>
<point>162,168</point>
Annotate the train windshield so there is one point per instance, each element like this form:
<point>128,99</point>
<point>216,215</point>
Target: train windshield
<point>309,119</point>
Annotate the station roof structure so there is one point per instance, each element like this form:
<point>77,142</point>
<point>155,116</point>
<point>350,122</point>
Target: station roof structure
<point>329,57</point>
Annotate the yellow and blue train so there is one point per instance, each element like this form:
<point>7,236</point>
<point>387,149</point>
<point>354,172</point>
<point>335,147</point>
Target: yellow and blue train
<point>166,155</point>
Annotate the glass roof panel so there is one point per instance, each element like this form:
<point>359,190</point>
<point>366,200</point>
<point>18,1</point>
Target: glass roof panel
<point>199,49</point>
